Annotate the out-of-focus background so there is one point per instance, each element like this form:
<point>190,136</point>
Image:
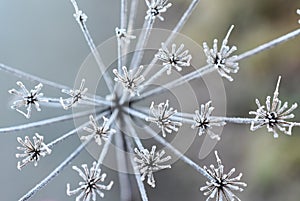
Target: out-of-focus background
<point>42,38</point>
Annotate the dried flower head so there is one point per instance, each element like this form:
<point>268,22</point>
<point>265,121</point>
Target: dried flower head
<point>221,58</point>
<point>90,186</point>
<point>76,96</point>
<point>32,151</point>
<point>130,80</point>
<point>176,58</point>
<point>204,122</point>
<point>222,185</point>
<point>274,115</point>
<point>123,35</point>
<point>150,162</point>
<point>99,133</point>
<point>298,12</point>
<point>27,98</point>
<point>156,7</point>
<point>161,116</point>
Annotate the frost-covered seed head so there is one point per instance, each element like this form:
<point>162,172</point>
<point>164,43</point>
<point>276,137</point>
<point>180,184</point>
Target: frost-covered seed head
<point>76,96</point>
<point>27,98</point>
<point>131,81</point>
<point>33,151</point>
<point>156,7</point>
<point>91,184</point>
<point>161,114</point>
<point>149,162</point>
<point>175,59</point>
<point>274,115</point>
<point>221,59</point>
<point>221,187</point>
<point>123,35</point>
<point>204,122</point>
<point>99,132</point>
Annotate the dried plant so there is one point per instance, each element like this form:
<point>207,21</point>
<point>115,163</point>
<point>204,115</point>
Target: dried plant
<point>119,106</point>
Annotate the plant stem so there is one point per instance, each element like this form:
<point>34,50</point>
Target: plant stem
<point>45,122</point>
<point>93,48</point>
<point>136,172</point>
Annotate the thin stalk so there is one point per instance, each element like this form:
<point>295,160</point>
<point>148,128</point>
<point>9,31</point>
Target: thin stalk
<point>56,171</point>
<point>93,48</point>
<point>137,174</point>
<point>143,39</point>
<point>178,153</point>
<point>125,194</point>
<point>45,122</point>
<point>153,78</point>
<point>134,135</point>
<point>176,30</point>
<point>30,77</point>
<point>209,68</point>
<point>131,20</point>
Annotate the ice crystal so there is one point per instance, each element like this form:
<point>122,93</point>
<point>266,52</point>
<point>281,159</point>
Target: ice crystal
<point>99,133</point>
<point>161,116</point>
<point>91,184</point>
<point>76,96</point>
<point>156,7</point>
<point>123,35</point>
<point>221,187</point>
<point>274,115</point>
<point>176,58</point>
<point>204,122</point>
<point>150,162</point>
<point>131,81</point>
<point>221,59</point>
<point>27,98</point>
<point>33,151</point>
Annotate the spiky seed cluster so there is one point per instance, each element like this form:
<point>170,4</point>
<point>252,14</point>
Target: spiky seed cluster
<point>130,80</point>
<point>176,58</point>
<point>91,184</point>
<point>99,133</point>
<point>156,7</point>
<point>27,98</point>
<point>76,96</point>
<point>221,187</point>
<point>33,151</point>
<point>161,116</point>
<point>221,59</point>
<point>274,115</point>
<point>80,16</point>
<point>150,162</point>
<point>123,35</point>
<point>204,122</point>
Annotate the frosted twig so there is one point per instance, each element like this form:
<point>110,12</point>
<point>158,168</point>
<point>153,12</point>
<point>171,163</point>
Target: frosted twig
<point>125,191</point>
<point>81,19</point>
<point>55,172</point>
<point>45,122</point>
<point>30,77</point>
<point>136,172</point>
<point>142,41</point>
<point>210,68</point>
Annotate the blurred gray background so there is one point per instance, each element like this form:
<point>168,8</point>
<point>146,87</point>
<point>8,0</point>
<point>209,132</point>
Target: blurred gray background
<point>42,38</point>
